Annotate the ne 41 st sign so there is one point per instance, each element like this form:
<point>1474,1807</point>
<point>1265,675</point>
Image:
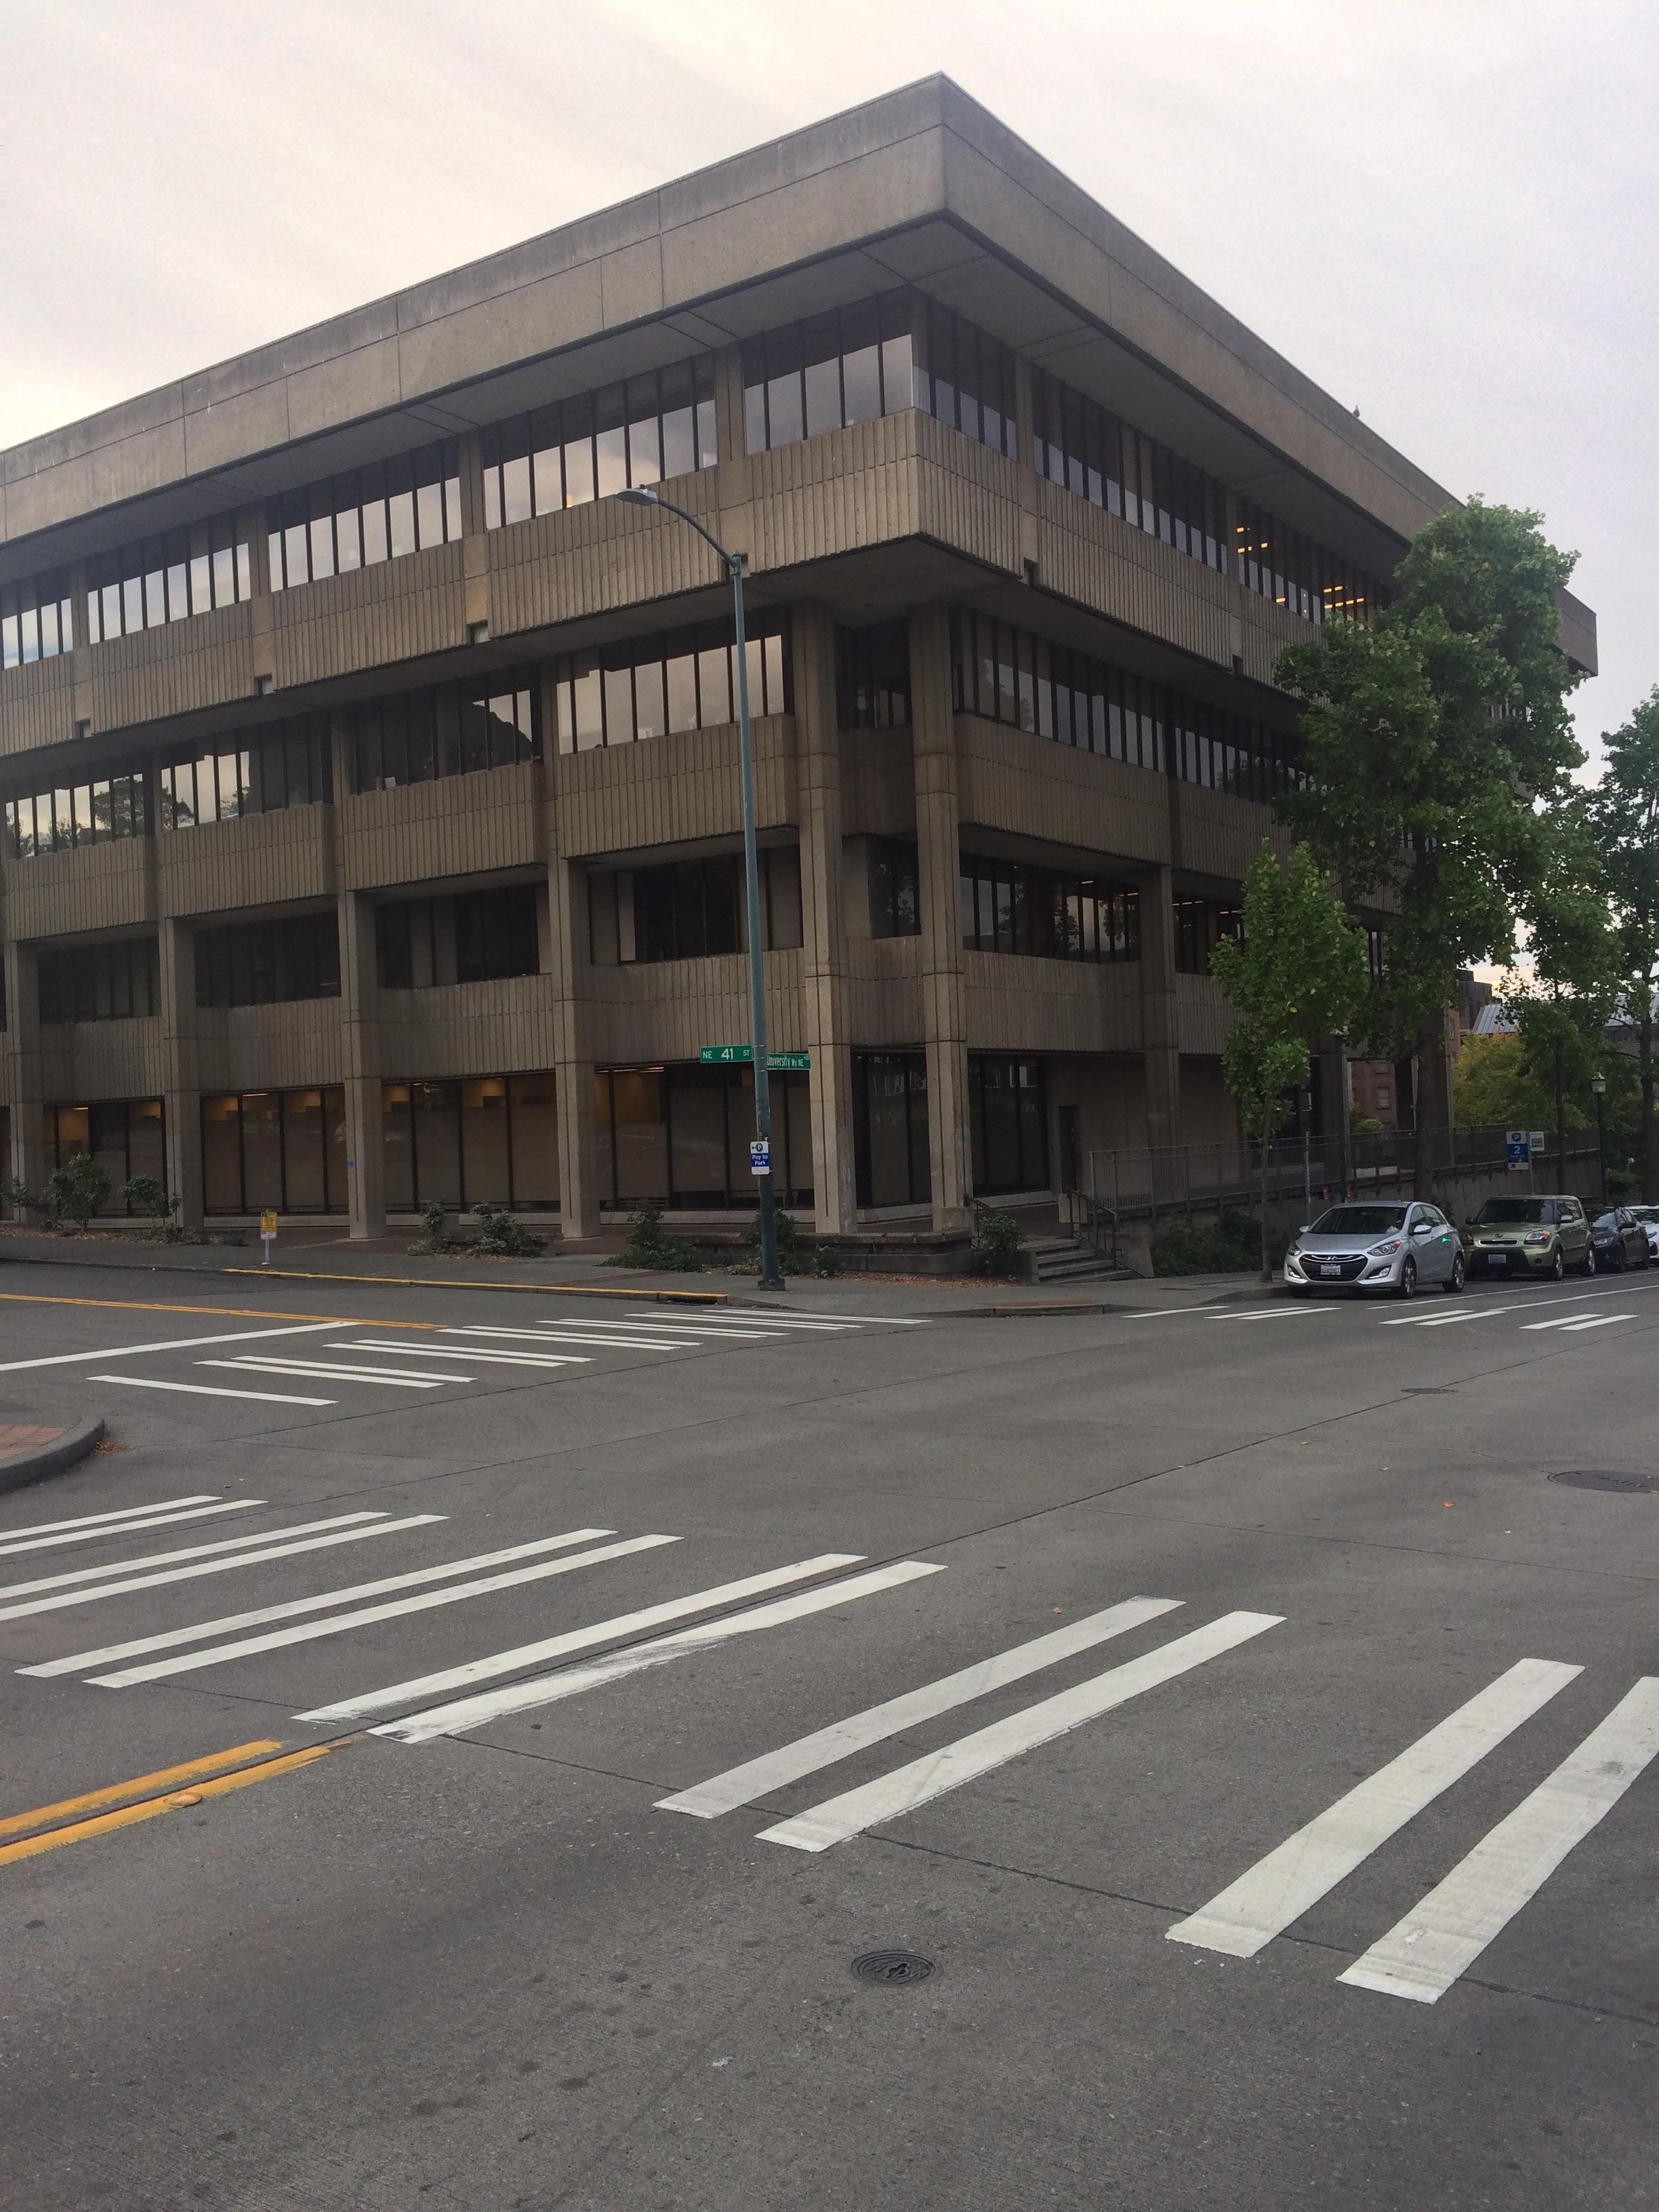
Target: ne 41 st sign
<point>742,1055</point>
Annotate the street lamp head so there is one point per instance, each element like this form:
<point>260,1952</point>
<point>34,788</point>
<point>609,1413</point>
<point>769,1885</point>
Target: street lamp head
<point>1598,1084</point>
<point>637,495</point>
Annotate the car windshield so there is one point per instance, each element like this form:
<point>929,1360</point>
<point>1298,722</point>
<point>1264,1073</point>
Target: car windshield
<point>1517,1209</point>
<point>1358,1221</point>
<point>1606,1221</point>
<point>1646,1212</point>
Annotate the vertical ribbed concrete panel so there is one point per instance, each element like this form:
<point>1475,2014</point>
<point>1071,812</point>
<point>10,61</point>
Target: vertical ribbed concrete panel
<point>569,987</point>
<point>944,1008</point>
<point>824,994</point>
<point>25,1074</point>
<point>181,1092</point>
<point>1160,1016</point>
<point>360,1018</point>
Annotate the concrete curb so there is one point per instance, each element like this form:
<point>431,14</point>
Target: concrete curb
<point>74,1446</point>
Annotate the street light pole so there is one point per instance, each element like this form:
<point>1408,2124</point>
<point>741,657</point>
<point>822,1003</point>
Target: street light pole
<point>771,1278</point>
<point>1599,1086</point>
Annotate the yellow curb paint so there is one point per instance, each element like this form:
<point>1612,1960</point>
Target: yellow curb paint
<point>150,1808</point>
<point>93,1800</point>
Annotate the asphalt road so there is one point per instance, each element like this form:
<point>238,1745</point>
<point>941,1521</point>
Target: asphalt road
<point>334,1864</point>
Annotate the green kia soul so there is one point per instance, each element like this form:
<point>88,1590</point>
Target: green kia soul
<point>1530,1237</point>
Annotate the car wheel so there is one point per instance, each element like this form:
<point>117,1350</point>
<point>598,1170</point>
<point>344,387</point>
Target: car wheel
<point>1588,1268</point>
<point>1558,1265</point>
<point>1455,1282</point>
<point>1408,1286</point>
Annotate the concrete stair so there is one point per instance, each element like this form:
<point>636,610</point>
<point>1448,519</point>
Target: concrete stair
<point>1064,1260</point>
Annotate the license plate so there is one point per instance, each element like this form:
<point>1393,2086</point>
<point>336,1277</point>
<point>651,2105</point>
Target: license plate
<point>1330,1268</point>
<point>1498,1259</point>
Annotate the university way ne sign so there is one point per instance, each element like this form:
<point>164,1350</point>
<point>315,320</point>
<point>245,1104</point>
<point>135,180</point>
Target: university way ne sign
<point>742,1055</point>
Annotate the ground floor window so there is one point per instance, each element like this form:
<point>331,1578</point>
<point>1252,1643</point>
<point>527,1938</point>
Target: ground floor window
<point>488,1137</point>
<point>889,1107</point>
<point>284,1149</point>
<point>124,1134</point>
<point>680,1135</point>
<point>1008,1108</point>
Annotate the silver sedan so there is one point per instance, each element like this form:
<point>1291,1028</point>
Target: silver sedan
<point>1375,1247</point>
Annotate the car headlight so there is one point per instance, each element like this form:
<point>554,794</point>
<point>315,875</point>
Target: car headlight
<point>1393,1245</point>
<point>1536,1237</point>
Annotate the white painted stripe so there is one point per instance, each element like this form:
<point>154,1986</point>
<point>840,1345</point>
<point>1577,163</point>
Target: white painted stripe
<point>139,1513</point>
<point>578,1639</point>
<point>588,1336</point>
<point>189,1552</point>
<point>1595,1321</point>
<point>318,1374</point>
<point>151,1521</point>
<point>1561,1320</point>
<point>338,1624</point>
<point>738,1334</point>
<point>376,1528</point>
<point>1278,1889</point>
<point>1279,1313</point>
<point>466,1713</point>
<point>77,1661</point>
<point>209,1391</point>
<point>936,1771</point>
<point>837,1319</point>
<point>1422,1955</point>
<point>328,1373</point>
<point>175,1344</point>
<point>775,1770</point>
<point>1445,1321</point>
<point>435,1352</point>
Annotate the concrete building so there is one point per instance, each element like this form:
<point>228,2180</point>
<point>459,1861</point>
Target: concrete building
<point>372,818</point>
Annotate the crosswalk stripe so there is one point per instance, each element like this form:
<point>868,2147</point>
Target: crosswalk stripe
<point>1576,1320</point>
<point>936,1771</point>
<point>586,1336</point>
<point>78,1662</point>
<point>128,1513</point>
<point>578,1639</point>
<point>50,1543</point>
<point>1595,1321</point>
<point>337,1374</point>
<point>339,1624</point>
<point>1276,1313</point>
<point>826,1320</point>
<point>1442,1936</point>
<point>148,1559</point>
<point>464,1713</point>
<point>732,1330</point>
<point>1278,1889</point>
<point>208,1390</point>
<point>173,1344</point>
<point>377,1526</point>
<point>774,1770</point>
<point>433,1351</point>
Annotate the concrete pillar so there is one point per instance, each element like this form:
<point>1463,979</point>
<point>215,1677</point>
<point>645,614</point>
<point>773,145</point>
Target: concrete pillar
<point>944,1014</point>
<point>181,1098</point>
<point>823,955</point>
<point>25,1084</point>
<point>569,980</point>
<point>1160,1030</point>
<point>360,1024</point>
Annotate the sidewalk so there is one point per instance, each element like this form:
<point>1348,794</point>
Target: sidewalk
<point>579,1273</point>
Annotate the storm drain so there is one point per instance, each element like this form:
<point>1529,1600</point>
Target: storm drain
<point>1607,1478</point>
<point>893,1970</point>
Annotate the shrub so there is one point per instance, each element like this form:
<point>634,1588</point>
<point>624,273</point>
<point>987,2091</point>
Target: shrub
<point>997,1241</point>
<point>826,1260</point>
<point>500,1234</point>
<point>77,1190</point>
<point>437,1238</point>
<point>650,1245</point>
<point>789,1242</point>
<point>149,1194</point>
<point>1232,1247</point>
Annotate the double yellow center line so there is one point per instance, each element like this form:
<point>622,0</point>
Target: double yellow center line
<point>148,1796</point>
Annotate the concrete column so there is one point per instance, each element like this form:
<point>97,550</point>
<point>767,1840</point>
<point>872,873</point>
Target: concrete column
<point>360,1023</point>
<point>823,955</point>
<point>1160,1032</point>
<point>943,1014</point>
<point>181,1098</point>
<point>25,1083</point>
<point>570,985</point>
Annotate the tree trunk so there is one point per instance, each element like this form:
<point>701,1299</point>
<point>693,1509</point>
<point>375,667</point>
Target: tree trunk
<point>1433,1114</point>
<point>1266,1124</point>
<point>1560,1124</point>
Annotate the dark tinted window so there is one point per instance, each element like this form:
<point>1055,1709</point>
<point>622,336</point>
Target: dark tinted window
<point>655,426</point>
<point>1011,906</point>
<point>1517,1210</point>
<point>469,936</point>
<point>671,680</point>
<point>453,729</point>
<point>37,620</point>
<point>60,818</point>
<point>100,982</point>
<point>368,516</point>
<point>1358,1221</point>
<point>167,579</point>
<point>253,772</point>
<point>258,963</point>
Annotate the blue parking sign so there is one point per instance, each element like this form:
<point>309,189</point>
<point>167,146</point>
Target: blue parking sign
<point>760,1156</point>
<point>1517,1145</point>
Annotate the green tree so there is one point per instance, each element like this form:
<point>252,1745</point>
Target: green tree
<point>1561,1004</point>
<point>1298,971</point>
<point>1428,740</point>
<point>1624,821</point>
<point>1494,1087</point>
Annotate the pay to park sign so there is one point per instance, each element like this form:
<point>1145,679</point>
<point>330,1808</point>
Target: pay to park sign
<point>742,1055</point>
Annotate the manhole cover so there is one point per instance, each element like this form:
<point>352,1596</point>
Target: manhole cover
<point>1606,1478</point>
<point>893,1970</point>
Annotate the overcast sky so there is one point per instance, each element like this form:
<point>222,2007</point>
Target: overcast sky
<point>1446,211</point>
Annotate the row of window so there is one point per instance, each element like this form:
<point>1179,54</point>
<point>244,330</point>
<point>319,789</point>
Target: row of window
<point>37,621</point>
<point>1084,448</point>
<point>109,982</point>
<point>470,937</point>
<point>652,427</point>
<point>679,679</point>
<point>1011,906</point>
<point>1199,926</point>
<point>267,963</point>
<point>167,579</point>
<point>1010,676</point>
<point>1008,1121</point>
<point>368,515</point>
<point>418,737</point>
<point>63,817</point>
<point>691,909</point>
<point>288,766</point>
<point>679,1135</point>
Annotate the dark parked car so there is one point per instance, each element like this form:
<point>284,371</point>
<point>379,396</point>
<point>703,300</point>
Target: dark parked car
<point>1620,1239</point>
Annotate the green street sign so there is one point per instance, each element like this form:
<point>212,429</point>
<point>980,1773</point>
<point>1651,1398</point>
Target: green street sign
<point>742,1055</point>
